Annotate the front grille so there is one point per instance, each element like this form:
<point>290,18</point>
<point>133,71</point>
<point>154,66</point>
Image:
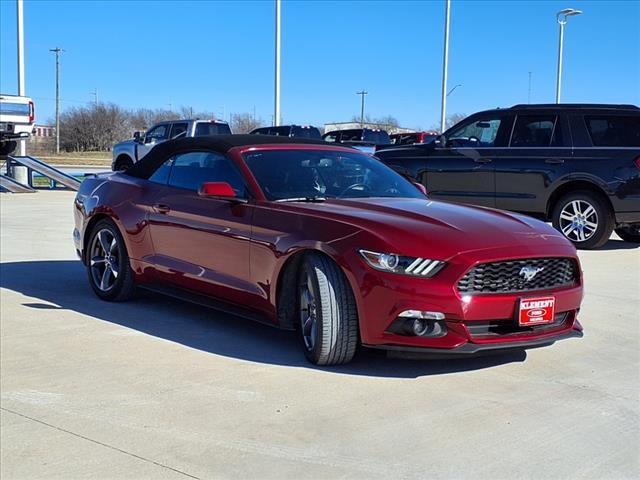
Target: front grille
<point>501,328</point>
<point>510,276</point>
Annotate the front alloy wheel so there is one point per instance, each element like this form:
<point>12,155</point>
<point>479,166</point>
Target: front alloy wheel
<point>328,319</point>
<point>308,313</point>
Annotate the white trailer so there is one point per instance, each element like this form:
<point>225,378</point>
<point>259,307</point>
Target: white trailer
<point>17,117</point>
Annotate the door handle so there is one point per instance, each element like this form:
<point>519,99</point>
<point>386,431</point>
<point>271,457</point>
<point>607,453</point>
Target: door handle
<point>482,160</point>
<point>554,161</point>
<point>161,208</point>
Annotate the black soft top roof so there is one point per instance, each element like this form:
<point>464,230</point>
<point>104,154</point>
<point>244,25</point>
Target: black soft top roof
<point>217,143</point>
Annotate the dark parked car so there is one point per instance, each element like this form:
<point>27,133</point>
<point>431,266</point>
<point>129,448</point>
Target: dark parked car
<point>329,241</point>
<point>366,139</point>
<point>575,165</point>
<point>297,131</point>
<point>413,137</point>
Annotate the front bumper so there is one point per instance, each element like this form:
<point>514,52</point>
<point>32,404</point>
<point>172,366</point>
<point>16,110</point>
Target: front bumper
<point>471,349</point>
<point>474,323</point>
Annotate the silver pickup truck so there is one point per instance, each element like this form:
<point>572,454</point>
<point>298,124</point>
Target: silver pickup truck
<point>16,121</point>
<point>126,153</point>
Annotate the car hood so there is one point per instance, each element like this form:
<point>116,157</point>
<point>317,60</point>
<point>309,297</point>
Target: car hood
<point>411,226</point>
<point>125,143</point>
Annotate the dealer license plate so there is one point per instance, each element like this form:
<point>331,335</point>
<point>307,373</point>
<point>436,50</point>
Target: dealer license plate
<point>536,311</point>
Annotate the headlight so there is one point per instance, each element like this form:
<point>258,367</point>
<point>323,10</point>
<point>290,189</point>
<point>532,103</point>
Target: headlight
<point>391,262</point>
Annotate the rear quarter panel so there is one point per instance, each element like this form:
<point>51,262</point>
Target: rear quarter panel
<point>121,199</point>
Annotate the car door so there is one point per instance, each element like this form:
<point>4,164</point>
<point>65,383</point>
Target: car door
<point>178,130</point>
<point>155,135</point>
<point>462,170</point>
<point>201,243</point>
<point>539,152</point>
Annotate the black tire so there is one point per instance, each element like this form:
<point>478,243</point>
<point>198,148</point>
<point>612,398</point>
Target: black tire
<point>594,210</point>
<point>629,233</point>
<point>7,147</point>
<point>334,338</point>
<point>121,285</point>
<point>122,164</point>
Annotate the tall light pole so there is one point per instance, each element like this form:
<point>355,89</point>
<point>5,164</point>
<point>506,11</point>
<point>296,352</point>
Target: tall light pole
<point>561,17</point>
<point>57,51</point>
<point>362,93</point>
<point>445,66</point>
<point>451,91</point>
<point>276,110</point>
<point>21,87</point>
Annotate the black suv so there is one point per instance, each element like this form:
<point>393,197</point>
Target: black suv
<point>298,131</point>
<point>577,165</point>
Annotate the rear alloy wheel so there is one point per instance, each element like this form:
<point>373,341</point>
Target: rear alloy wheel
<point>108,267</point>
<point>328,320</point>
<point>584,218</point>
<point>629,233</point>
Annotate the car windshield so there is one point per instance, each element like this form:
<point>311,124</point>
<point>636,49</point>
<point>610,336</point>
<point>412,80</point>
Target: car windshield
<point>319,174</point>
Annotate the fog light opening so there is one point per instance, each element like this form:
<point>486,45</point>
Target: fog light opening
<point>419,327</point>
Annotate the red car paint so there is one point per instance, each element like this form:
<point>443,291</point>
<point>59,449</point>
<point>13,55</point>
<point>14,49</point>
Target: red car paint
<point>237,251</point>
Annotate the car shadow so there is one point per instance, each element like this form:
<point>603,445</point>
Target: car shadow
<point>63,285</point>
<point>615,244</point>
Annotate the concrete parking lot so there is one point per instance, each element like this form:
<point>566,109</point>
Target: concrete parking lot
<point>155,388</point>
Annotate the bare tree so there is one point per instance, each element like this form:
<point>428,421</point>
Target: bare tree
<point>244,122</point>
<point>387,122</point>
<point>189,112</point>
<point>143,118</point>
<point>451,120</point>
<point>93,128</point>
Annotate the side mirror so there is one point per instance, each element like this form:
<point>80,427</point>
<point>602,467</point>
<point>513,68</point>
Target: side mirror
<point>421,187</point>
<point>441,141</point>
<point>220,190</point>
<point>137,136</point>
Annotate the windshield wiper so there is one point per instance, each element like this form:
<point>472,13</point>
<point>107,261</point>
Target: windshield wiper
<point>316,198</point>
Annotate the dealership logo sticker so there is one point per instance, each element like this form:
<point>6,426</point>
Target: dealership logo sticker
<point>536,311</point>
<point>528,272</point>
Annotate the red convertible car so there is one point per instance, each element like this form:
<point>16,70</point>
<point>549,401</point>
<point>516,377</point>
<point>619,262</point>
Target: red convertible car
<point>330,242</point>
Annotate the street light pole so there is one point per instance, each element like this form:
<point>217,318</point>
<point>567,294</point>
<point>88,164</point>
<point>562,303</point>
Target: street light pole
<point>57,51</point>
<point>445,66</point>
<point>276,109</point>
<point>21,83</point>
<point>561,17</point>
<point>451,91</point>
<point>362,93</point>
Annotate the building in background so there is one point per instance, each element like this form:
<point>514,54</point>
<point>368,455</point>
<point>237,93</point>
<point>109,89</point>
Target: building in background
<point>42,139</point>
<point>329,127</point>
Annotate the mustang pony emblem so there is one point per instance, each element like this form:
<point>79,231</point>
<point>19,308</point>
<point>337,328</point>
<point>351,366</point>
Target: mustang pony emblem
<point>529,272</point>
